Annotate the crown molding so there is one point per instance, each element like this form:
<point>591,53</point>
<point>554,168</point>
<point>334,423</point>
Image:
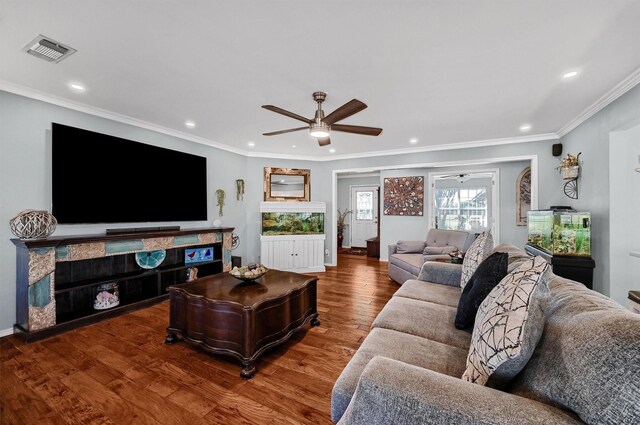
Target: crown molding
<point>113,116</point>
<point>453,146</point>
<point>621,88</point>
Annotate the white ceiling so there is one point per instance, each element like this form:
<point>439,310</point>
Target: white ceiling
<point>443,72</point>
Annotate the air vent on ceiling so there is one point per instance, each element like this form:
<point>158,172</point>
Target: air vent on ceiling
<point>45,48</point>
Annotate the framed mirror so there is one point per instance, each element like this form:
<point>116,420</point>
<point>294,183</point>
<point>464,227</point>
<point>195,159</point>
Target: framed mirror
<point>287,184</point>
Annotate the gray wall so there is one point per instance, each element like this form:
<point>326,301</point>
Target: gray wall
<point>592,138</point>
<point>25,176</point>
<point>625,203</point>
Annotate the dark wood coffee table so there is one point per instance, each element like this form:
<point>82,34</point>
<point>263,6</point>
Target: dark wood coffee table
<point>224,315</point>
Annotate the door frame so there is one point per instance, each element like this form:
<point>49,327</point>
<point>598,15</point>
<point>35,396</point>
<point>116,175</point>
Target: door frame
<point>495,196</point>
<point>461,163</point>
<point>377,207</point>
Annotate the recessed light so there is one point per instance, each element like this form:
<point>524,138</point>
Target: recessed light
<point>413,141</point>
<point>77,87</point>
<point>332,150</point>
<point>570,74</point>
<point>251,144</point>
<point>525,127</point>
<point>293,146</point>
<point>190,124</point>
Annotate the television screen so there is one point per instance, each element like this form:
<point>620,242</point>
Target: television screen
<point>98,178</point>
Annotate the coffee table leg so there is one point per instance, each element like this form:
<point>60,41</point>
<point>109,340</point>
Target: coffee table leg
<point>171,338</point>
<point>248,370</point>
<point>315,321</point>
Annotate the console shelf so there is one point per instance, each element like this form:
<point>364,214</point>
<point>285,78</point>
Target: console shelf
<point>57,277</point>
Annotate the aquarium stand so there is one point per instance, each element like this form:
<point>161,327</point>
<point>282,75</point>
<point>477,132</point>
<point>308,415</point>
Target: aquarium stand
<point>578,268</point>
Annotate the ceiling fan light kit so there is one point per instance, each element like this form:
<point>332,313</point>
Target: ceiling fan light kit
<point>320,126</point>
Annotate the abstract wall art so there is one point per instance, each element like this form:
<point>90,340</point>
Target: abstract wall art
<point>404,196</point>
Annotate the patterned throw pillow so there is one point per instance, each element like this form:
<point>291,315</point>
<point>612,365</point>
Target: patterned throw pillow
<point>477,252</point>
<point>509,325</point>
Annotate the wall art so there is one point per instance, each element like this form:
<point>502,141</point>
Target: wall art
<point>523,196</point>
<point>404,196</point>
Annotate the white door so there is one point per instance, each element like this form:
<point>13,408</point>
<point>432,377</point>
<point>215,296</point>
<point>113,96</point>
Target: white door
<point>364,216</point>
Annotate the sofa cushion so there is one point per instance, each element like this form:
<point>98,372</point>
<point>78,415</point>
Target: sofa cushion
<point>488,274</point>
<point>400,346</point>
<point>445,249</point>
<point>424,319</point>
<point>588,357</point>
<point>428,291</point>
<point>409,262</point>
<point>509,325</point>
<point>517,256</point>
<point>442,273</point>
<point>408,247</point>
<point>479,250</point>
<point>443,237</point>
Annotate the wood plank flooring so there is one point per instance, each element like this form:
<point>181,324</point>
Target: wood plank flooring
<point>120,371</point>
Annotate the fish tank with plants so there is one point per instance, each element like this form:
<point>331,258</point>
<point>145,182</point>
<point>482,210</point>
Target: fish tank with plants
<point>560,232</point>
<point>292,223</point>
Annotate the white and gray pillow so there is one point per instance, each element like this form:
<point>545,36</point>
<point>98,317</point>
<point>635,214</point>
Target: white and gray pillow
<point>480,249</point>
<point>508,325</point>
<point>438,250</point>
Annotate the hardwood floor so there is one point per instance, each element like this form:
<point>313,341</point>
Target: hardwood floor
<point>120,371</point>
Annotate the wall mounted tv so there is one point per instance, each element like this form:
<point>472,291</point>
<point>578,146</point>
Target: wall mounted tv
<point>98,178</point>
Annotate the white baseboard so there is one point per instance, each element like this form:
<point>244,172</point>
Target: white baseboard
<point>6,332</point>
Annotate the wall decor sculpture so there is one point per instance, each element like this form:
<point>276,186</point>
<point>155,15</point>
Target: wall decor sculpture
<point>404,196</point>
<point>523,196</point>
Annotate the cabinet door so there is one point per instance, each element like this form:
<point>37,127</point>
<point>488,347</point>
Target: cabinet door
<point>308,253</point>
<point>278,254</point>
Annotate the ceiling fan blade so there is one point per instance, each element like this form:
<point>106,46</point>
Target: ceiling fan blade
<point>357,129</point>
<point>351,107</point>
<point>324,141</point>
<point>273,133</point>
<point>287,113</point>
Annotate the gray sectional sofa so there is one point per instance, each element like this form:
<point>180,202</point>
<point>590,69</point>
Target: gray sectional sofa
<point>407,257</point>
<point>585,368</point>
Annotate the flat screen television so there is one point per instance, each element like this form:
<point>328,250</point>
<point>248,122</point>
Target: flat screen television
<point>97,178</point>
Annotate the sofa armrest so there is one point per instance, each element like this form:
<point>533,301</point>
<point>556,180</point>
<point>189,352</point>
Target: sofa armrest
<point>392,249</point>
<point>393,392</point>
<point>442,273</point>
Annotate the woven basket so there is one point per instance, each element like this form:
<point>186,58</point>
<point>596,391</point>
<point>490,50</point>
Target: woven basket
<point>569,173</point>
<point>31,224</point>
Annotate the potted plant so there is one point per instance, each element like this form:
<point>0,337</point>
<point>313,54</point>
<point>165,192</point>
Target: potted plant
<point>569,166</point>
<point>342,225</point>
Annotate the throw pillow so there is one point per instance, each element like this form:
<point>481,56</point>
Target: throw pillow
<point>435,250</point>
<point>407,247</point>
<point>488,274</point>
<point>477,252</point>
<point>509,325</point>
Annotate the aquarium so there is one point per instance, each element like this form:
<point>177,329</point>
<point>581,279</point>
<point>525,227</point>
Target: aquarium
<point>292,223</point>
<point>560,232</point>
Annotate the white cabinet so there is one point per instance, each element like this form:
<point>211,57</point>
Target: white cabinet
<point>297,253</point>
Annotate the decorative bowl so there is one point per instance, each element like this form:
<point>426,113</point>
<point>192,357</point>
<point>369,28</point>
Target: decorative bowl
<point>249,272</point>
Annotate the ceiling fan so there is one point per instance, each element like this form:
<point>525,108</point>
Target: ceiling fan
<point>459,177</point>
<point>320,126</point>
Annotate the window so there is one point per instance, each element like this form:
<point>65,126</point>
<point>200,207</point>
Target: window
<point>461,208</point>
<point>364,205</point>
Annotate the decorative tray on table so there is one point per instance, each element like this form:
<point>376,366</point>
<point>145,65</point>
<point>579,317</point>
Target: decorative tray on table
<point>249,273</point>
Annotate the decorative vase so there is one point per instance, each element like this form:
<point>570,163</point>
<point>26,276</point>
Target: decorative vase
<point>31,224</point>
<point>340,238</point>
